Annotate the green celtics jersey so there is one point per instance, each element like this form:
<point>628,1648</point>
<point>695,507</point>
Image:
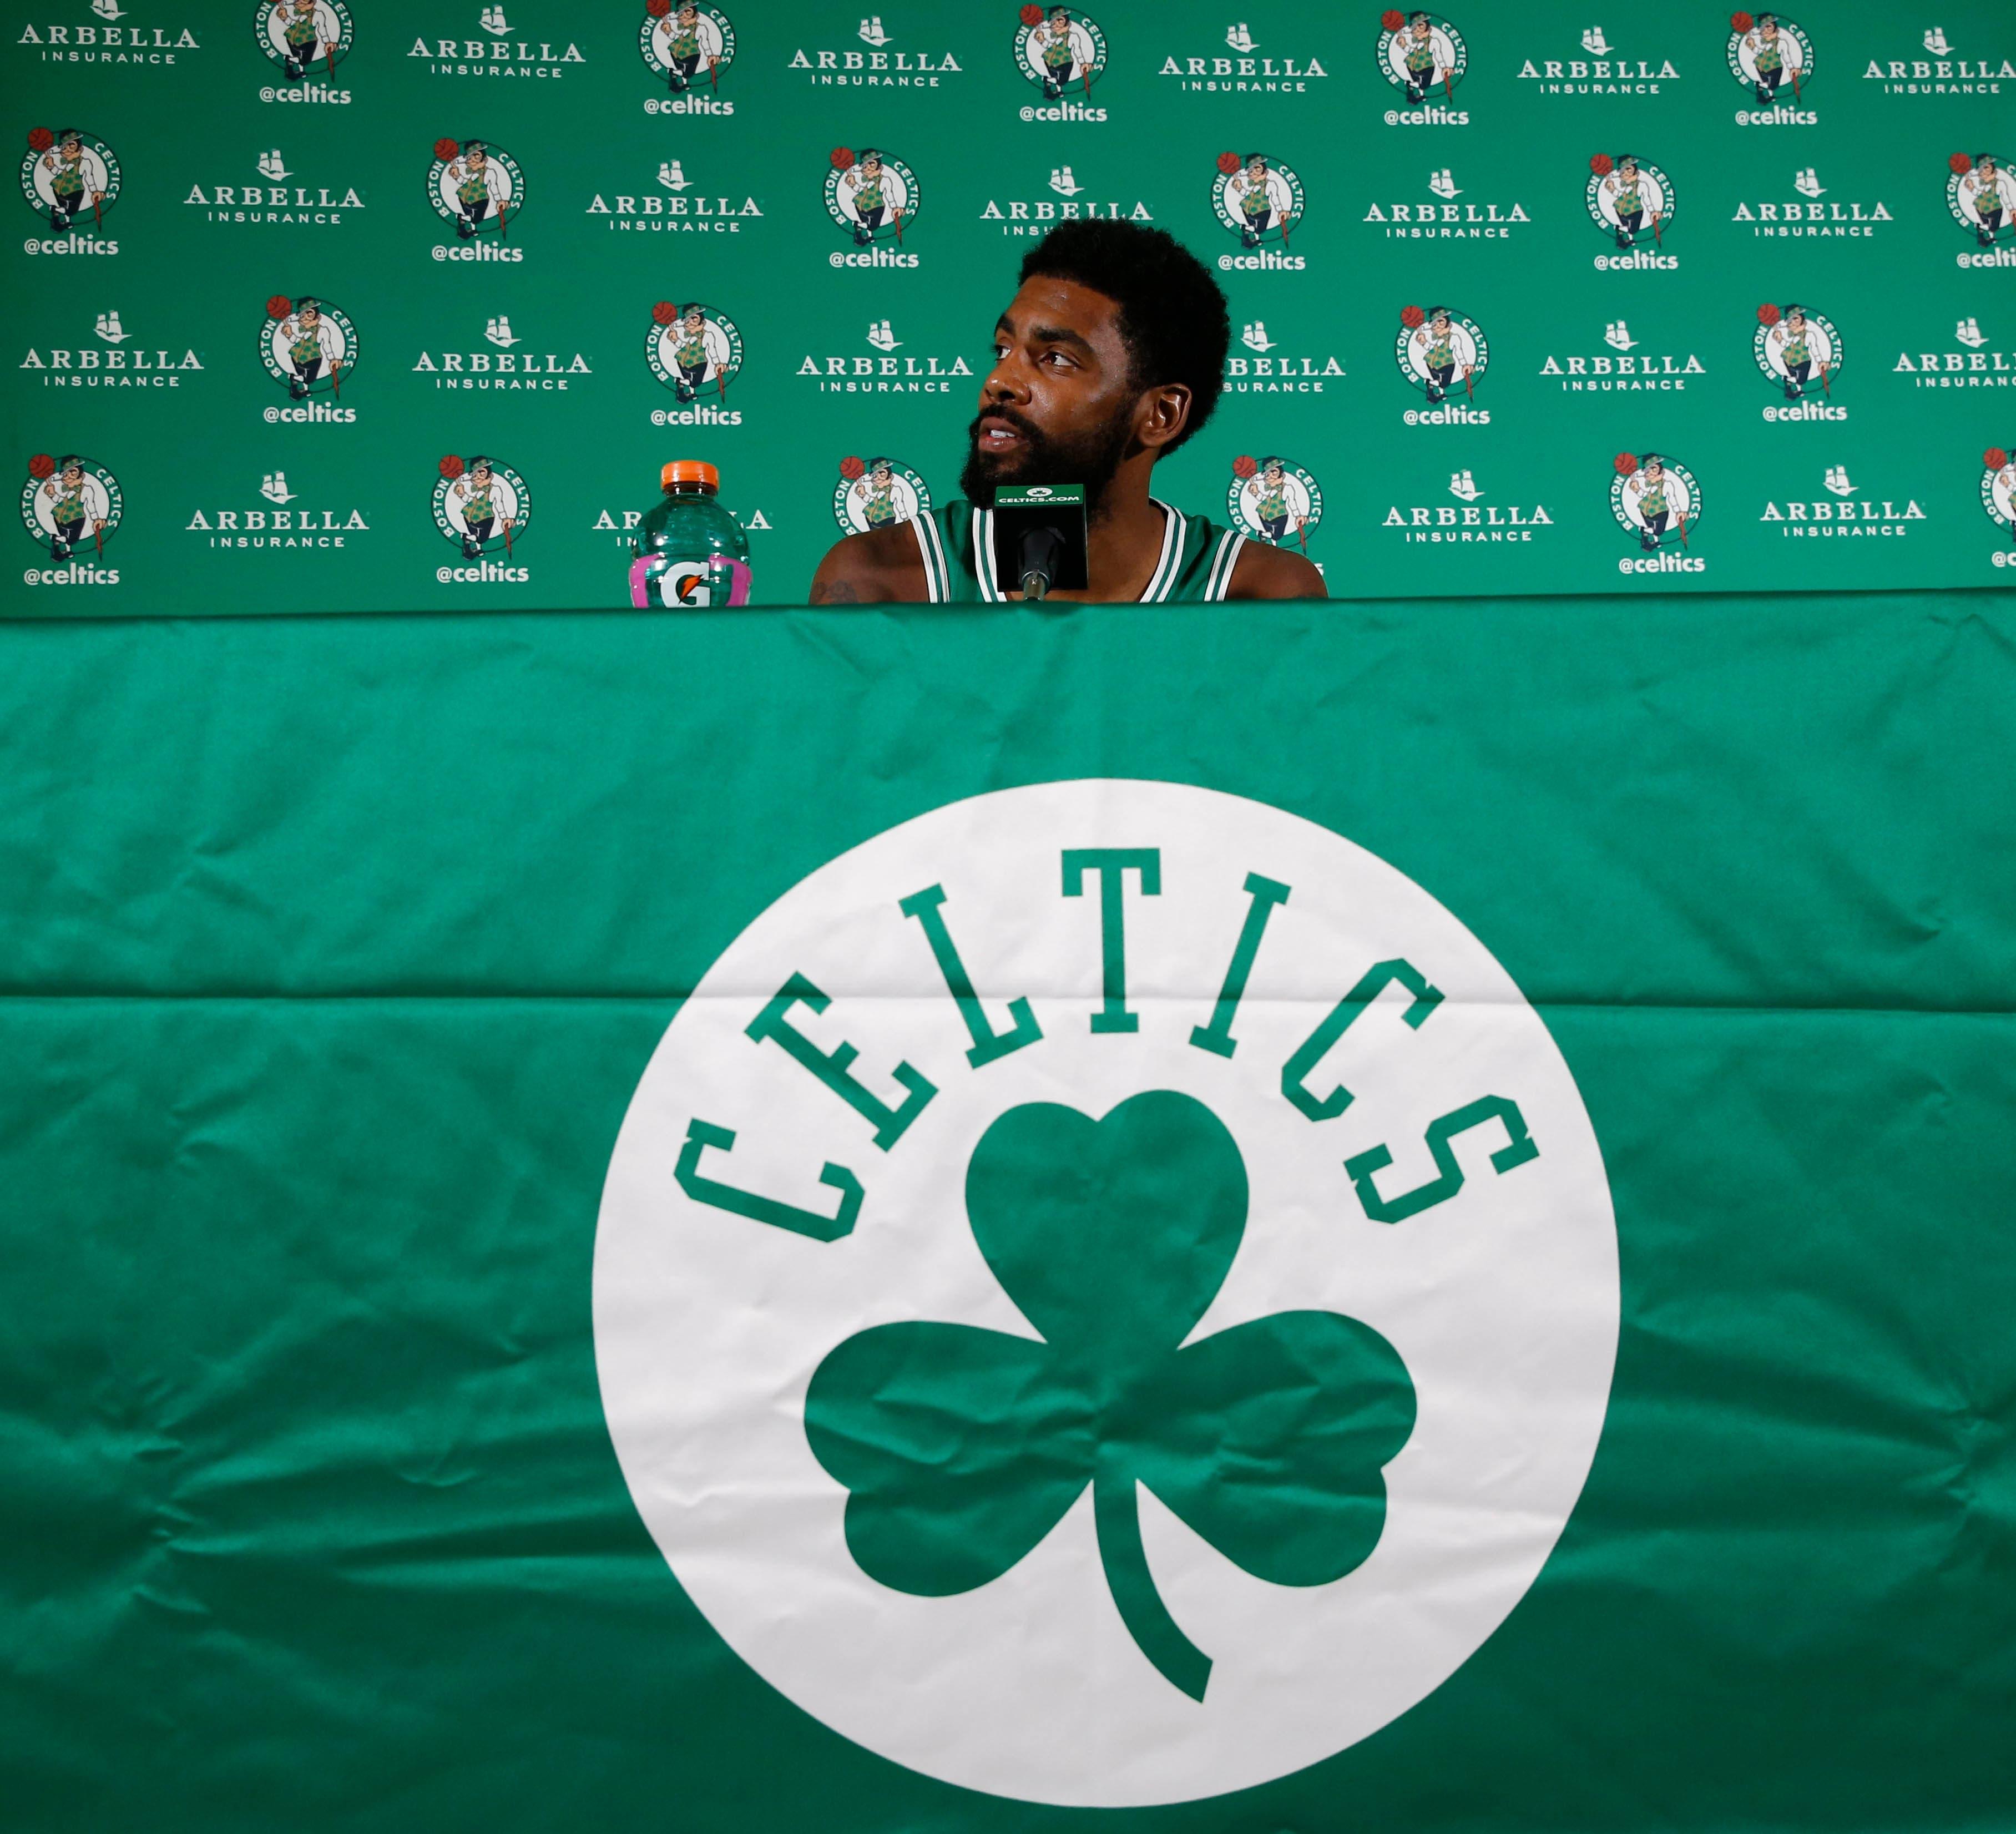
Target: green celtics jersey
<point>1196,560</point>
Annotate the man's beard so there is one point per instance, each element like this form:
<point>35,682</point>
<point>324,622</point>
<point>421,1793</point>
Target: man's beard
<point>1093,460</point>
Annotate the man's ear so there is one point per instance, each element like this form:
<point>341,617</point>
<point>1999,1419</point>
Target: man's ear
<point>1161,414</point>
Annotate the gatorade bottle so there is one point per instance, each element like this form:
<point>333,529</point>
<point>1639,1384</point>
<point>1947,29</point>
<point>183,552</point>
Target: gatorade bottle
<point>689,551</point>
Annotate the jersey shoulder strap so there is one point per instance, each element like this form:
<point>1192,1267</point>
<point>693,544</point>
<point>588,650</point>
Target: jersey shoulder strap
<point>957,544</point>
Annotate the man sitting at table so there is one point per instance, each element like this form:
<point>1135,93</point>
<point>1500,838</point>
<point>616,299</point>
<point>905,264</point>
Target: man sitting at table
<point>1110,355</point>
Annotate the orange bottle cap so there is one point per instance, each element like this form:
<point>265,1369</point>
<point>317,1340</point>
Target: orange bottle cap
<point>688,471</point>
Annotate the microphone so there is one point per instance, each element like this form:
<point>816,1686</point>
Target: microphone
<point>1039,540</point>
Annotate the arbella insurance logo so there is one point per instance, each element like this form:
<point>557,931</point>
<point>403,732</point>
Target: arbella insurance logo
<point>1843,513</point>
<point>304,40</point>
<point>1036,216</point>
<point>1812,213</point>
<point>1473,520</point>
<point>878,493</point>
<point>503,369</point>
<point>276,524</point>
<point>71,179</point>
<point>1438,351</point>
<point>1061,50</point>
<point>500,54</point>
<point>1981,195</point>
<point>1935,68</point>
<point>1798,350</point>
<point>109,42</point>
<point>1972,365</point>
<point>688,47</point>
<point>1626,367</point>
<point>274,199</point>
<point>1424,56</point>
<point>874,198</point>
<point>1603,69</point>
<point>1455,216</point>
<point>1631,200</point>
<point>481,506</point>
<point>1274,500</point>
<point>309,347</point>
<point>694,350</point>
<point>1257,67</point>
<point>885,63</point>
<point>1261,201</point>
<point>1295,371</point>
<point>1998,499</point>
<point>477,186</point>
<point>896,367</point>
<point>71,503</point>
<point>1774,60</point>
<point>1101,1315</point>
<point>1658,502</point>
<point>108,363</point>
<point>668,209</point>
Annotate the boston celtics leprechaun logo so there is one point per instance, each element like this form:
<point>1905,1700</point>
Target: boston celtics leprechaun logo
<point>1981,194</point>
<point>1059,50</point>
<point>69,175</point>
<point>1627,198</point>
<point>1105,1293</point>
<point>1439,349</point>
<point>871,196</point>
<point>1257,197</point>
<point>1998,489</point>
<point>1421,53</point>
<point>482,505</point>
<point>872,493</point>
<point>1654,500</point>
<point>685,45</point>
<point>1768,53</point>
<point>694,349</point>
<point>475,182</point>
<point>308,345</point>
<point>1798,348</point>
<point>303,37</point>
<point>69,502</point>
<point>1273,500</point>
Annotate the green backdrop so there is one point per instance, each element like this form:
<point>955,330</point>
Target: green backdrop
<point>1890,491</point>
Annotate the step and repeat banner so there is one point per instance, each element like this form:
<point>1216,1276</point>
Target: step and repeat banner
<point>318,305</point>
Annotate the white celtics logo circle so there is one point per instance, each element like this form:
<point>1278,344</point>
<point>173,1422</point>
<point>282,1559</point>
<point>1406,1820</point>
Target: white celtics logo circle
<point>1998,489</point>
<point>873,196</point>
<point>304,37</point>
<point>481,505</point>
<point>694,349</point>
<point>872,493</point>
<point>1797,347</point>
<point>1059,50</point>
<point>69,504</point>
<point>1654,500</point>
<point>308,346</point>
<point>1768,55</point>
<point>686,44</point>
<point>69,176</point>
<point>1627,198</point>
<point>1257,197</point>
<point>1021,1382</point>
<point>1421,53</point>
<point>473,183</point>
<point>1440,351</point>
<point>1273,499</point>
<point>1981,195</point>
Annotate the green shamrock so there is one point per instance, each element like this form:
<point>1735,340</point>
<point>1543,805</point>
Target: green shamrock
<point>960,1448</point>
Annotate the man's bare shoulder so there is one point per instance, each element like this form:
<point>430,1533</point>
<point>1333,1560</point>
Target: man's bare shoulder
<point>1264,572</point>
<point>879,567</point>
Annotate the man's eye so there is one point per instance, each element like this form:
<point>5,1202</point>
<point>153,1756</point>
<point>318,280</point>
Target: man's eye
<point>1057,357</point>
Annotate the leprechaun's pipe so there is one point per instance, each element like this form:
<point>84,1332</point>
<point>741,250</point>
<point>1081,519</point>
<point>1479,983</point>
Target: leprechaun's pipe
<point>1116,1511</point>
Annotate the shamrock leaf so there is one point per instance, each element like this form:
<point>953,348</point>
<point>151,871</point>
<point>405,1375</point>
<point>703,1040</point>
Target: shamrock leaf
<point>961,1448</point>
